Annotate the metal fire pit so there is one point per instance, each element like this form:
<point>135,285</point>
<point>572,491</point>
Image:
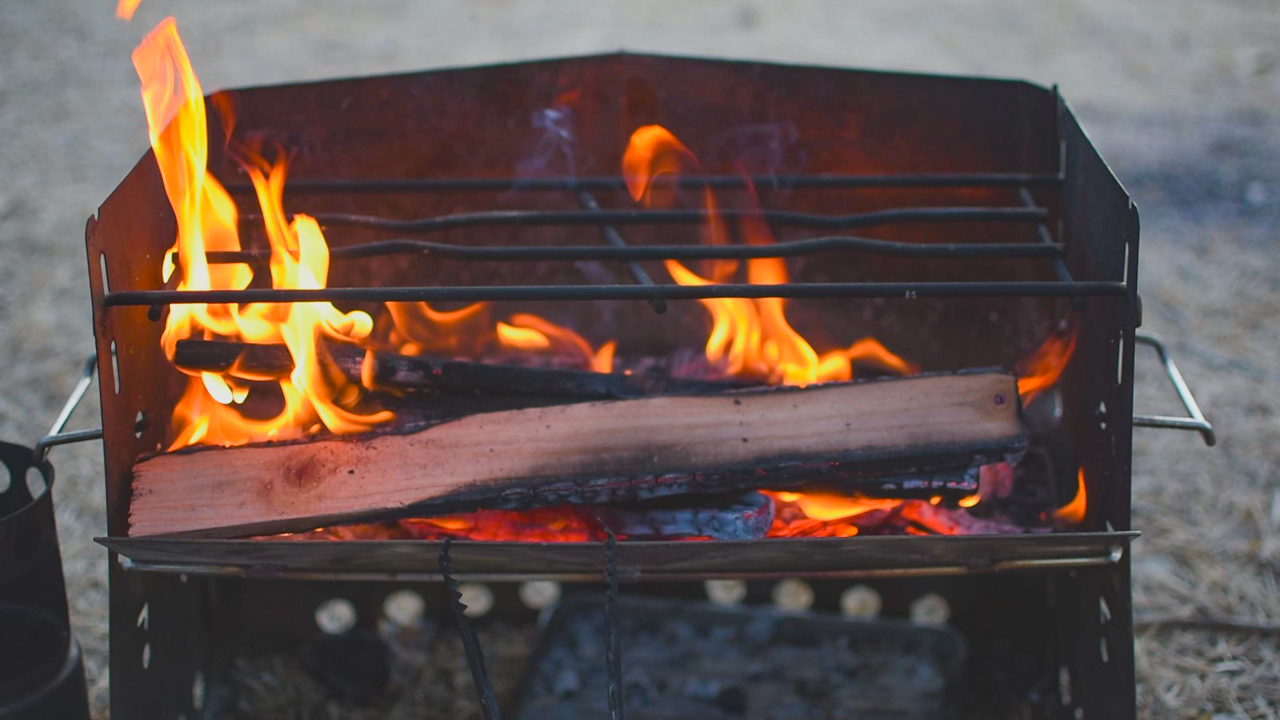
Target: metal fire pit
<point>994,220</point>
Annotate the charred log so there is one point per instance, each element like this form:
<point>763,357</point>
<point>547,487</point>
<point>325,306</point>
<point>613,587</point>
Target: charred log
<point>393,371</point>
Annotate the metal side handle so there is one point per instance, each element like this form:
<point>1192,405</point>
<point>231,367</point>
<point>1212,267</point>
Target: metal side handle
<point>1195,419</point>
<point>56,436</point>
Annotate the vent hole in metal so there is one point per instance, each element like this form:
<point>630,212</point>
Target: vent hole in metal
<point>860,602</point>
<point>793,595</point>
<point>115,368</point>
<point>197,691</point>
<point>931,609</point>
<point>477,597</point>
<point>36,484</point>
<point>336,616</point>
<point>539,594</point>
<point>404,608</point>
<point>725,592</point>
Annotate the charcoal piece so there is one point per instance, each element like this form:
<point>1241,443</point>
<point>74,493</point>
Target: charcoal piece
<point>745,516</point>
<point>687,659</point>
<point>355,665</point>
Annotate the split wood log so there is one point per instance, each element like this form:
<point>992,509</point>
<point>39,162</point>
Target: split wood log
<point>407,372</point>
<point>590,453</point>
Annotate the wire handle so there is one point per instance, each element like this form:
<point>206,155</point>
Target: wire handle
<point>55,435</point>
<point>1196,419</point>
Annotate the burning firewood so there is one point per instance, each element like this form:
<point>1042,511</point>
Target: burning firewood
<point>405,372</point>
<point>595,453</point>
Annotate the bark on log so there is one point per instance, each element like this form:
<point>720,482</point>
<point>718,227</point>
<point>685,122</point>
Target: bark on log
<point>407,372</point>
<point>591,453</point>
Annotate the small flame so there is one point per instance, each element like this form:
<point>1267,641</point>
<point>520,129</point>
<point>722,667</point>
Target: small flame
<point>207,221</point>
<point>551,524</point>
<point>418,328</point>
<point>1073,512</point>
<point>1043,369</point>
<point>749,338</point>
<point>126,8</point>
<point>529,332</point>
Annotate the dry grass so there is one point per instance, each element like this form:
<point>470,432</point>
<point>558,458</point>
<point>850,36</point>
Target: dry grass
<point>1181,96</point>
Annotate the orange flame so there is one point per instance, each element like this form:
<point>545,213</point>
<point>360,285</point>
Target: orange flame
<point>1043,369</point>
<point>748,337</point>
<point>316,392</point>
<point>529,332</point>
<point>418,328</point>
<point>126,8</point>
<point>1073,512</point>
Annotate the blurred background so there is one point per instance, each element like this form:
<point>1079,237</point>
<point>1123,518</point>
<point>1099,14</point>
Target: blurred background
<point>1182,97</point>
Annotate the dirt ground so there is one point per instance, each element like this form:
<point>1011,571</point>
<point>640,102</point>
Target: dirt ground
<point>1182,97</point>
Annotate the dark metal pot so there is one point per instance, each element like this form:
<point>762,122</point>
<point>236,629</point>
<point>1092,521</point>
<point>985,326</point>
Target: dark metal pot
<point>41,671</point>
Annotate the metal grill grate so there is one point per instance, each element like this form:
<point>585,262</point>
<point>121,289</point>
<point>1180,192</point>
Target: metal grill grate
<point>1041,247</point>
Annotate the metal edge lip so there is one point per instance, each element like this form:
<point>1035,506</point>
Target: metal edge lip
<point>1108,549</point>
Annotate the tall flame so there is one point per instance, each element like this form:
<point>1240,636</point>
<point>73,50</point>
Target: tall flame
<point>316,392</point>
<point>126,8</point>
<point>750,338</point>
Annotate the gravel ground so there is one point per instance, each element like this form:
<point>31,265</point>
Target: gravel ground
<point>1182,96</point>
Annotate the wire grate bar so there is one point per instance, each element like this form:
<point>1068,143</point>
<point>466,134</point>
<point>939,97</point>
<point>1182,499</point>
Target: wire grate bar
<point>599,217</point>
<point>897,180</point>
<point>793,248</point>
<point>614,238</point>
<point>506,293</point>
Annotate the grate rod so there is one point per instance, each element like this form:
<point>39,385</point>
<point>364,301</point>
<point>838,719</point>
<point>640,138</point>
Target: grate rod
<point>792,248</point>
<point>413,185</point>
<point>614,238</point>
<point>506,293</point>
<point>599,217</point>
<point>1046,238</point>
